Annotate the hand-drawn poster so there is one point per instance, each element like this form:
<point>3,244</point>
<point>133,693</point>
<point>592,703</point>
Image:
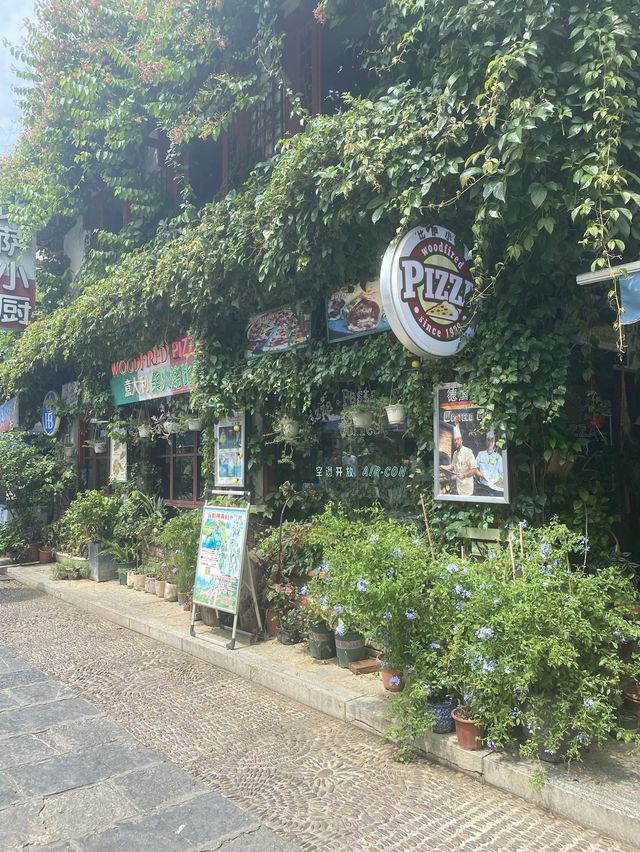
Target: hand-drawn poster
<point>223,537</point>
<point>229,472</point>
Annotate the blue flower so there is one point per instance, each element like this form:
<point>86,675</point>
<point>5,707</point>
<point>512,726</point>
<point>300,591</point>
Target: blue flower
<point>546,570</point>
<point>361,585</point>
<point>394,680</point>
<point>411,614</point>
<point>485,633</point>
<point>459,605</point>
<point>390,573</point>
<point>507,670</point>
<point>455,628</point>
<point>491,745</point>
<point>396,552</point>
<point>435,646</point>
<point>408,670</point>
<point>373,538</point>
<point>340,629</point>
<point>452,568</point>
<point>545,548</point>
<point>338,609</point>
<point>582,738</point>
<point>387,616</point>
<point>584,544</point>
<point>523,524</point>
<point>325,602</point>
<point>466,698</point>
<point>488,666</point>
<point>496,601</point>
<point>303,590</point>
<point>588,703</point>
<point>383,664</point>
<point>417,541</point>
<point>324,567</point>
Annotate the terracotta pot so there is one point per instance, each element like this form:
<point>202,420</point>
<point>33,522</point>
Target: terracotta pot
<point>139,582</point>
<point>44,555</point>
<point>33,553</point>
<point>271,623</point>
<point>160,588</point>
<point>470,735</point>
<point>387,675</point>
<point>170,592</point>
<point>150,585</point>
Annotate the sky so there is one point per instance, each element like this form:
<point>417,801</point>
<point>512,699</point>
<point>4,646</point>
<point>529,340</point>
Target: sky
<point>12,16</point>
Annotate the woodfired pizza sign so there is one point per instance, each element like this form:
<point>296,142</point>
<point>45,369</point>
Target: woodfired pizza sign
<point>426,288</point>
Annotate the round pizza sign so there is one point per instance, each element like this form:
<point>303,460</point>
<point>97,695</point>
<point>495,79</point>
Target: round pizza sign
<point>426,289</point>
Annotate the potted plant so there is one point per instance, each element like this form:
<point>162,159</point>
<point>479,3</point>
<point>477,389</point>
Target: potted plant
<point>124,554</point>
<point>98,445</point>
<point>180,540</point>
<point>362,416</point>
<point>469,732</point>
<point>294,432</point>
<point>596,410</point>
<point>193,422</point>
<point>292,627</point>
<point>46,550</point>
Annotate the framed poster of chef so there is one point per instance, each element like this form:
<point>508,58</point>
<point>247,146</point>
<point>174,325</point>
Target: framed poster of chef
<point>468,464</point>
<point>355,312</point>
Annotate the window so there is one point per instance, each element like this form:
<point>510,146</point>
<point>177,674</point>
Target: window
<point>179,460</point>
<point>265,125</point>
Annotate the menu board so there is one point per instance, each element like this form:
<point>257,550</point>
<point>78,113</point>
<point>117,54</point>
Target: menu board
<point>355,312</point>
<point>277,331</point>
<point>223,537</point>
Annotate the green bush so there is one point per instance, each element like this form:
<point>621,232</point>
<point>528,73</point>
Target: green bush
<point>92,516</point>
<point>13,538</point>
<point>180,540</point>
<point>284,553</point>
<point>30,474</point>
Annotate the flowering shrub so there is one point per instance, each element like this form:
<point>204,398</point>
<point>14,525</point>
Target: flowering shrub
<point>373,579</point>
<point>284,555</point>
<point>529,645</point>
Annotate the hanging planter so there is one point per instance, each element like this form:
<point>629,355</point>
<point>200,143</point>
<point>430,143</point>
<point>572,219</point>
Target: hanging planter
<point>69,451</point>
<point>100,447</point>
<point>171,427</point>
<point>194,424</point>
<point>396,414</point>
<point>144,430</point>
<point>289,427</point>
<point>363,419</point>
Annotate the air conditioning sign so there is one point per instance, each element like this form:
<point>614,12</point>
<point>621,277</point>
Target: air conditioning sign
<point>426,289</point>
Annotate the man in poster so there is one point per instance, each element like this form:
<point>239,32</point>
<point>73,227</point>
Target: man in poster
<point>463,465</point>
<point>489,464</point>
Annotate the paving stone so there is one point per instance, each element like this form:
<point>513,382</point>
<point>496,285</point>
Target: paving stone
<point>83,811</point>
<point>255,841</point>
<point>158,785</point>
<point>17,823</point>
<point>25,748</point>
<point>18,678</point>
<point>36,717</point>
<point>8,792</point>
<point>7,700</point>
<point>79,768</point>
<point>196,823</point>
<point>83,734</point>
<point>37,693</point>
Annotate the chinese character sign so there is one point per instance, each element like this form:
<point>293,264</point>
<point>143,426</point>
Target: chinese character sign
<point>165,370</point>
<point>17,279</point>
<point>223,537</point>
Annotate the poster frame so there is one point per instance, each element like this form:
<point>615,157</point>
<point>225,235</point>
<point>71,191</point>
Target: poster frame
<point>238,419</point>
<point>502,500</point>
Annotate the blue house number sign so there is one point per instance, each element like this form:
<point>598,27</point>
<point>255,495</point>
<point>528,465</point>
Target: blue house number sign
<point>50,418</point>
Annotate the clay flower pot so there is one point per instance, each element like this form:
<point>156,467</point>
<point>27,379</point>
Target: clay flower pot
<point>170,592</point>
<point>392,681</point>
<point>470,735</point>
<point>139,581</point>
<point>160,588</point>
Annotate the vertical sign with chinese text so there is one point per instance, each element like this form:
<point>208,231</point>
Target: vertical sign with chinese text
<point>17,278</point>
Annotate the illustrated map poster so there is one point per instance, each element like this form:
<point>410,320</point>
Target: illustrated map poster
<point>277,331</point>
<point>468,466</point>
<point>355,312</point>
<point>223,536</point>
<point>229,472</point>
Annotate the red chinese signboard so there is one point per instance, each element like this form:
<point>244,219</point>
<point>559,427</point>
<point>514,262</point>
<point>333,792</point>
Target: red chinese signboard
<point>17,279</point>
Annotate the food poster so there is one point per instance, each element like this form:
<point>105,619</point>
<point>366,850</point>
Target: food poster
<point>468,464</point>
<point>355,312</point>
<point>277,331</point>
<point>229,471</point>
<point>223,537</point>
<point>118,461</point>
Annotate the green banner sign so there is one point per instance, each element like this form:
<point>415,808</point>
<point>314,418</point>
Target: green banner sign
<point>164,370</point>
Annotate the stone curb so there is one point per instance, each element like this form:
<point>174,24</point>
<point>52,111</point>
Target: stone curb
<point>560,795</point>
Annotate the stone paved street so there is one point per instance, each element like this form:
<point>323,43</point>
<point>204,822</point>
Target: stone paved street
<point>138,713</point>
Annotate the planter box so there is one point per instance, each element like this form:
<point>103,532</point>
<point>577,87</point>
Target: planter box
<point>65,557</point>
<point>101,566</point>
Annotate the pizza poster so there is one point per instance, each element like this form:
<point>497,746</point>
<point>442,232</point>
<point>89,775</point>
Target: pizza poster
<point>468,464</point>
<point>277,331</point>
<point>223,537</point>
<point>355,312</point>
